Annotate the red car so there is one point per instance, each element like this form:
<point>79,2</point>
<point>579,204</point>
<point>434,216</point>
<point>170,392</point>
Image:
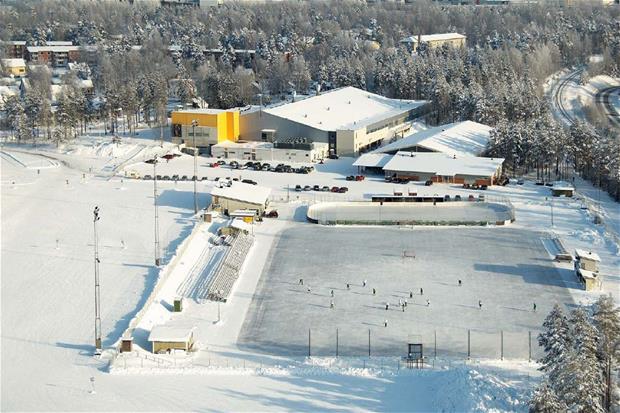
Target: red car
<point>214,165</point>
<point>335,189</point>
<point>168,156</point>
<point>359,177</point>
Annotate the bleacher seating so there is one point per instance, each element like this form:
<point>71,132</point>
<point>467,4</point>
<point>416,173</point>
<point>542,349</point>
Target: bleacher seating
<point>222,283</point>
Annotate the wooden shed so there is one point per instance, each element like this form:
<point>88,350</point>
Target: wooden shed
<point>562,189</point>
<point>166,338</point>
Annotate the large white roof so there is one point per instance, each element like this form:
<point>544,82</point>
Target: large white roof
<point>172,333</point>
<point>347,108</point>
<point>58,49</point>
<point>433,37</point>
<point>443,164</point>
<point>239,191</point>
<point>13,63</point>
<point>460,138</point>
<point>373,160</point>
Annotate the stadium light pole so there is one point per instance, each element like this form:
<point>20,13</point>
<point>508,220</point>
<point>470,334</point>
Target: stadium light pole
<point>96,218</point>
<point>194,124</point>
<point>157,257</point>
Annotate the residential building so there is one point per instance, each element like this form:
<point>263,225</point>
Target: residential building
<point>14,67</point>
<point>55,56</point>
<point>434,40</point>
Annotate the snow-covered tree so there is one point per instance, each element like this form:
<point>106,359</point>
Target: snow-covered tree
<point>545,400</point>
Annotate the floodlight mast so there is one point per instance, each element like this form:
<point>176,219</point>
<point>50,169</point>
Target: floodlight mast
<point>98,348</point>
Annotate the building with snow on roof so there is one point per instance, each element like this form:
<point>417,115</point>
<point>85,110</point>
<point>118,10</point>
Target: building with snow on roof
<point>435,167</point>
<point>287,151</point>
<point>165,338</point>
<point>460,138</point>
<point>14,67</point>
<point>586,268</point>
<point>434,40</point>
<point>348,119</point>
<point>240,195</point>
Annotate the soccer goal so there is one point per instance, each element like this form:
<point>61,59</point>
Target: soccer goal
<point>408,254</point>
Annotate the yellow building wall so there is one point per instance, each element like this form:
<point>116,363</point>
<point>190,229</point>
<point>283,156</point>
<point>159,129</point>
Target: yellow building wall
<point>16,71</point>
<point>226,123</point>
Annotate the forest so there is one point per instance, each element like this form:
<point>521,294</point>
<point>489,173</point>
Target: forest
<point>304,45</point>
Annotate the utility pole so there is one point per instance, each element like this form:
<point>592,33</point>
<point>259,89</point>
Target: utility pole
<point>194,124</point>
<point>157,257</point>
<point>97,292</point>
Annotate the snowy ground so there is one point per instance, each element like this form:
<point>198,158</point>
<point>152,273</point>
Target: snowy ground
<point>47,324</point>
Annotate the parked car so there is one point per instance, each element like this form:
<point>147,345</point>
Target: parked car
<point>481,197</point>
<point>520,182</point>
<point>428,183</point>
<point>214,165</point>
<point>205,178</point>
<point>307,188</point>
<point>147,177</point>
<point>265,167</point>
<point>234,165</point>
<point>343,189</point>
<point>168,156</point>
<point>298,188</point>
<point>446,198</point>
<point>359,177</point>
<point>333,156</point>
<point>325,189</point>
<point>175,177</point>
<point>183,178</point>
<point>221,162</point>
<point>249,181</point>
<point>484,187</point>
<point>466,186</point>
<point>158,177</point>
<point>165,178</point>
<point>470,197</point>
<point>151,161</point>
<point>335,189</point>
<point>540,182</point>
<point>249,164</point>
<point>316,188</point>
<point>350,178</point>
<point>457,197</point>
<point>271,214</point>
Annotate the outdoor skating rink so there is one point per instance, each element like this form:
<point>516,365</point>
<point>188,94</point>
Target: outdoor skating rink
<point>507,269</point>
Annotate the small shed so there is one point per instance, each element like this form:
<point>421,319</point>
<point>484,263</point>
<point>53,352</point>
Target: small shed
<point>241,196</point>
<point>586,268</point>
<point>165,338</point>
<point>246,215</point>
<point>562,189</point>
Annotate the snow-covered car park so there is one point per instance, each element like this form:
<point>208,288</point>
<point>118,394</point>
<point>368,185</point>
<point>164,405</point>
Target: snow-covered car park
<point>271,321</point>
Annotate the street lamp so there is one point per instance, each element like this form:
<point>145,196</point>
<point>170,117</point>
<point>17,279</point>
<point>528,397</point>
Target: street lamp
<point>194,124</point>
<point>97,296</point>
<point>157,257</point>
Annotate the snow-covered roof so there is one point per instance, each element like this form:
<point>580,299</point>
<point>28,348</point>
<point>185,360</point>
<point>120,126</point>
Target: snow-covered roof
<point>347,108</point>
<point>59,43</point>
<point>56,49</point>
<point>13,63</point>
<point>460,138</point>
<point>170,333</point>
<point>243,145</point>
<point>562,186</point>
<point>443,164</point>
<point>373,160</point>
<point>240,224</point>
<point>239,191</point>
<point>579,253</point>
<point>433,37</point>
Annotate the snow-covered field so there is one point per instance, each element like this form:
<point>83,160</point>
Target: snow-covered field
<point>47,292</point>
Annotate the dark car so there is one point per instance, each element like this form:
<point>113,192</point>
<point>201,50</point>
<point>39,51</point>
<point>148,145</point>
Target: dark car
<point>184,178</point>
<point>165,178</point>
<point>335,189</point>
<point>457,197</point>
<point>350,178</point>
<point>151,161</point>
<point>271,214</point>
<point>298,188</point>
<point>307,188</point>
<point>147,177</point>
<point>249,181</point>
<point>325,188</point>
<point>205,178</point>
<point>428,183</point>
<point>446,198</point>
<point>471,198</point>
<point>221,162</point>
<point>333,156</point>
<point>316,188</point>
<point>175,177</point>
<point>249,164</point>
<point>343,189</point>
<point>158,177</point>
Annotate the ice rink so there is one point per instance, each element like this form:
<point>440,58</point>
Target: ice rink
<point>506,268</point>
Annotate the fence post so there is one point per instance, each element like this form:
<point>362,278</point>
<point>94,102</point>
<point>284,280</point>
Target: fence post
<point>336,342</point>
<point>309,342</point>
<point>368,342</point>
<point>529,342</point>
<point>435,352</point>
<point>468,344</point>
<point>502,344</point>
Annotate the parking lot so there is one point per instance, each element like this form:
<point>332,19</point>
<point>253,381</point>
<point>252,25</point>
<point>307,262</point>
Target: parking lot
<point>505,270</point>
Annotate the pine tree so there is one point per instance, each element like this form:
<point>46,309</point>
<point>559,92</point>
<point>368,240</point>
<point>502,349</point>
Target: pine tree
<point>607,321</point>
<point>545,400</point>
<point>556,341</point>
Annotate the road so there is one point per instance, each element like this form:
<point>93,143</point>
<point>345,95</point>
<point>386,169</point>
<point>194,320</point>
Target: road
<point>604,98</point>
